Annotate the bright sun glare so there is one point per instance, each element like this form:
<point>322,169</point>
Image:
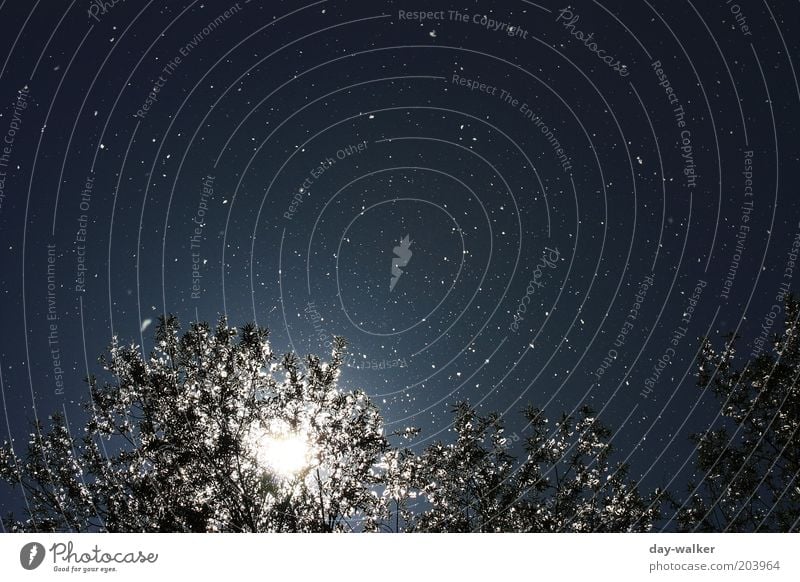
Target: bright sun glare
<point>285,453</point>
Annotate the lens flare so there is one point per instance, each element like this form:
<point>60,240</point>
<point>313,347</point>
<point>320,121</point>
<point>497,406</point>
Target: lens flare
<point>285,453</point>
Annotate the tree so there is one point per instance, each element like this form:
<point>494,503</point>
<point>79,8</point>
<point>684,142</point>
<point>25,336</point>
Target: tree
<point>565,483</point>
<point>211,432</point>
<point>751,464</point>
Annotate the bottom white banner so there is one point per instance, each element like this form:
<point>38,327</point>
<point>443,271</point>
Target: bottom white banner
<point>399,557</point>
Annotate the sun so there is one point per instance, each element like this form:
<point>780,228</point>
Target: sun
<point>286,453</point>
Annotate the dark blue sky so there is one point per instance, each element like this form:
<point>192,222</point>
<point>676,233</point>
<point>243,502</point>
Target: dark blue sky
<point>586,192</point>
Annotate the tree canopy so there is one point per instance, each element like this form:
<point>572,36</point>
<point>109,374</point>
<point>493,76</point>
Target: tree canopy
<point>564,481</point>
<point>212,431</point>
<point>176,442</point>
<point>750,463</point>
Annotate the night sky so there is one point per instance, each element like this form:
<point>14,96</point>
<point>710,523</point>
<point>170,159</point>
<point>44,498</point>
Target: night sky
<point>503,202</point>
